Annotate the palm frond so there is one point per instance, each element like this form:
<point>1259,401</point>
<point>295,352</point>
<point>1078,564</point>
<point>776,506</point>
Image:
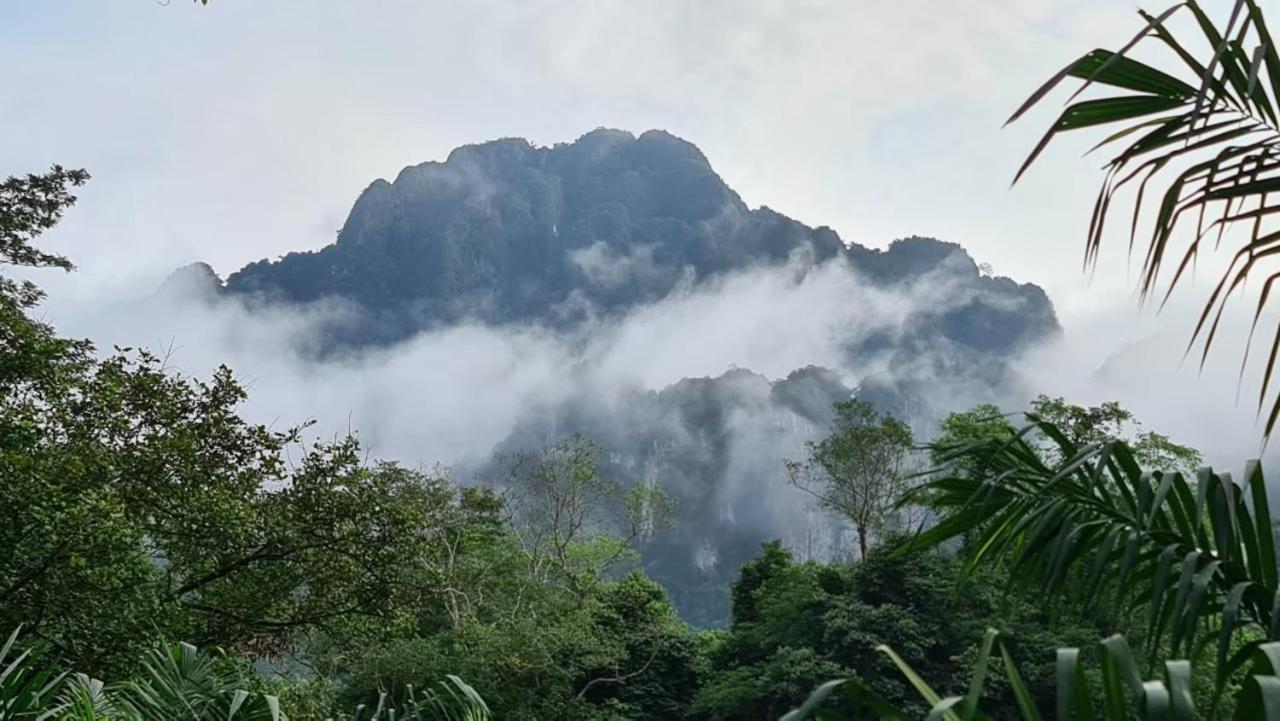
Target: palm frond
<point>84,699</point>
<point>179,683</point>
<point>1190,556</point>
<point>1204,138</point>
<point>449,700</point>
<point>28,685</point>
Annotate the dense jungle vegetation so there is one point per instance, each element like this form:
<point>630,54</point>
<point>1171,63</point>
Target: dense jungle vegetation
<point>141,511</point>
<point>161,557</point>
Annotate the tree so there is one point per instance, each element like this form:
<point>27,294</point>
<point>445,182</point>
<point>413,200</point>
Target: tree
<point>136,500</point>
<point>1203,143</point>
<point>524,601</point>
<point>981,423</point>
<point>798,624</point>
<point>860,470</point>
<point>773,560</point>
<point>655,675</point>
<point>1097,424</point>
<point>1080,424</point>
<point>572,521</point>
<point>538,650</point>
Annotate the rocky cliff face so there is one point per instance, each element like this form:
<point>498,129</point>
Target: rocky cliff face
<point>509,232</point>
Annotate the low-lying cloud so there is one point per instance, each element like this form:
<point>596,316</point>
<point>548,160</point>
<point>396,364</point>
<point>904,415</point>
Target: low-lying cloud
<point>452,395</point>
<point>1139,358</point>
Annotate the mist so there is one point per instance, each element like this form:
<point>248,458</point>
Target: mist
<point>1143,358</point>
<point>453,395</point>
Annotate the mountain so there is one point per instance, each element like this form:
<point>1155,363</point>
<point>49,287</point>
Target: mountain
<point>506,231</point>
<point>579,237</point>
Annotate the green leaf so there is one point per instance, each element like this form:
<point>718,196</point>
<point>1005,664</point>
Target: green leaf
<point>1259,699</point>
<point>1026,704</point>
<point>1120,676</point>
<point>920,685</point>
<point>1074,698</point>
<point>1183,705</point>
<point>1108,68</point>
<point>1155,701</point>
<point>942,709</point>
<point>1262,523</point>
<point>979,677</point>
<point>1230,617</point>
<point>1098,112</point>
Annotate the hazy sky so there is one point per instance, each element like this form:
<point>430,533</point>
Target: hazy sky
<point>246,129</point>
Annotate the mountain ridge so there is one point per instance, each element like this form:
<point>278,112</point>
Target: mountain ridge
<point>507,231</point>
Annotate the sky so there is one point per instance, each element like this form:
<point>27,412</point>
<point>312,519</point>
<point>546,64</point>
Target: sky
<point>244,130</point>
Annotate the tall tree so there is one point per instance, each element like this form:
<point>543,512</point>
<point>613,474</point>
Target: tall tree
<point>1085,425</point>
<point>573,521</point>
<point>860,470</point>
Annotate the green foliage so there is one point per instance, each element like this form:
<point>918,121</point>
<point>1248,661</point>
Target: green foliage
<point>774,560</point>
<point>178,683</point>
<point>1085,426</point>
<point>138,501</point>
<point>1116,693</point>
<point>1192,563</point>
<point>27,681</point>
<point>1098,530</point>
<point>30,205</point>
<point>536,615</point>
<point>622,653</point>
<point>798,624</point>
<point>860,470</point>
<point>1082,425</point>
<point>174,683</point>
<point>572,522</point>
<point>450,700</point>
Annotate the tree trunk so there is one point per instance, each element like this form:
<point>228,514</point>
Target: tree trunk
<point>862,540</point>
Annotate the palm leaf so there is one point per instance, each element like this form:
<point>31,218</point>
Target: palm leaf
<point>27,683</point>
<point>1202,134</point>
<point>1097,530</point>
